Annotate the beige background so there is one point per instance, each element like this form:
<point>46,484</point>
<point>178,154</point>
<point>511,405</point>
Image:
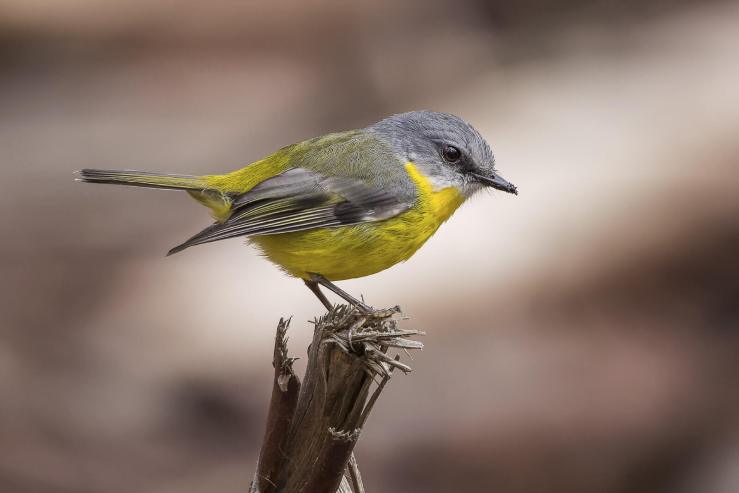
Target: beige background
<point>582,336</point>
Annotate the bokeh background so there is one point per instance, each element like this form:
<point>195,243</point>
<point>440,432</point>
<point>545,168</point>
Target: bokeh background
<point>582,337</point>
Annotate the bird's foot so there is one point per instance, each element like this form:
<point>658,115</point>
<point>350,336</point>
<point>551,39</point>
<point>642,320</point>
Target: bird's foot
<point>377,313</point>
<point>363,308</point>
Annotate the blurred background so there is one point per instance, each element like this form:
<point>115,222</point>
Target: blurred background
<point>582,337</point>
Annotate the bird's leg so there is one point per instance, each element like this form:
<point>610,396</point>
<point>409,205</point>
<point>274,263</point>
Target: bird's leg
<point>359,305</point>
<point>313,286</point>
<point>319,279</point>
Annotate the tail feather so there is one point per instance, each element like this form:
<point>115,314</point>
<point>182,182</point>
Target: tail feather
<point>143,179</point>
<point>197,186</point>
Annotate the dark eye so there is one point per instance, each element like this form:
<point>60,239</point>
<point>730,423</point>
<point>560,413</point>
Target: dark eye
<point>451,154</point>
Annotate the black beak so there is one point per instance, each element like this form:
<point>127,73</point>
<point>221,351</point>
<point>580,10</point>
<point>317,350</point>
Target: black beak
<point>496,181</point>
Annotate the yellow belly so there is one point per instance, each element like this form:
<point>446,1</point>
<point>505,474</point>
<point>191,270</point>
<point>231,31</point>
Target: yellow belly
<point>360,250</point>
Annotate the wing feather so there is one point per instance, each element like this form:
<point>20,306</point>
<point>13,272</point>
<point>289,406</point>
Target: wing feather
<point>298,200</point>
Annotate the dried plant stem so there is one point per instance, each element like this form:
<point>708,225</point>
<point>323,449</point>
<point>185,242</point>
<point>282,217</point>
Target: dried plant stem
<point>312,428</point>
<point>354,476</point>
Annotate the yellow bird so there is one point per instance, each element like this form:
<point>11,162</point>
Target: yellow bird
<point>343,205</point>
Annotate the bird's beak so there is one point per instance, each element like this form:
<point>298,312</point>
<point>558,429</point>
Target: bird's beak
<point>496,181</point>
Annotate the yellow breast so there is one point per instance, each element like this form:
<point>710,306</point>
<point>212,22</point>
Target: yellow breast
<point>363,249</point>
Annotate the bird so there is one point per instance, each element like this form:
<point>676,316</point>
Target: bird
<point>343,205</point>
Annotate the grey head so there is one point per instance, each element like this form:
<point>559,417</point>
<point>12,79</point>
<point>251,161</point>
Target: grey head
<point>445,148</point>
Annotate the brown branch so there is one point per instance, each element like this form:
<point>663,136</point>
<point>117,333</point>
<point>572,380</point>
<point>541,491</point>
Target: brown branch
<point>285,390</point>
<point>312,428</point>
<point>352,472</point>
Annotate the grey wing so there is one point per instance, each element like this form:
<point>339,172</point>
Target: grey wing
<point>300,199</point>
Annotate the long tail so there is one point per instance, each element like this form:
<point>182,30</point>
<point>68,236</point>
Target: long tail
<point>144,179</point>
<point>197,186</point>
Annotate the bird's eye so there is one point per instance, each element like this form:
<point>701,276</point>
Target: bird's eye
<point>451,154</point>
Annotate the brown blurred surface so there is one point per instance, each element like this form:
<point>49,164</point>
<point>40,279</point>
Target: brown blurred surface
<point>582,337</point>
